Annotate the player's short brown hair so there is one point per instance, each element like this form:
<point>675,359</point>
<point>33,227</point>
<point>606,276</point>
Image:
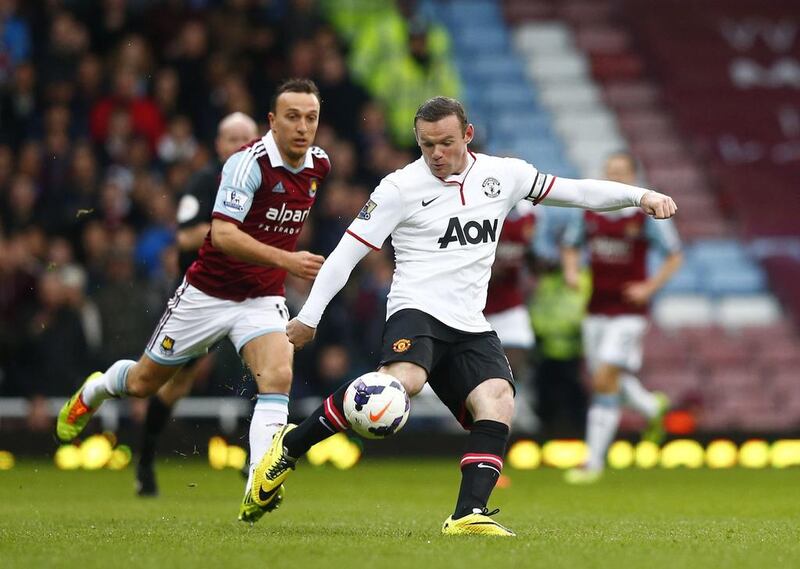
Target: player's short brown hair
<point>438,108</point>
<point>294,85</point>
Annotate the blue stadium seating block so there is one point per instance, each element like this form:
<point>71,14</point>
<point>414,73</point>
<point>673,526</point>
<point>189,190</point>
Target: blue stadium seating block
<point>735,280</point>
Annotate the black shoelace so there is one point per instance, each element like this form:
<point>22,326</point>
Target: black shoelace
<point>282,465</point>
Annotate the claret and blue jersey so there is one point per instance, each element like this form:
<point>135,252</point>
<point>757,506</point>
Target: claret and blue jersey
<point>268,200</point>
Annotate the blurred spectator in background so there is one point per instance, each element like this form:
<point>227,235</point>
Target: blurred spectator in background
<point>556,312</point>
<point>126,111</point>
<point>15,39</point>
<point>122,299</point>
<point>53,346</point>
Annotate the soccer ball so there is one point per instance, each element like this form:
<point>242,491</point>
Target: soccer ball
<point>376,405</point>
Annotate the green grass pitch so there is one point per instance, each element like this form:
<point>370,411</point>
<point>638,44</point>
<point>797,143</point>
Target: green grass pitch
<point>387,513</point>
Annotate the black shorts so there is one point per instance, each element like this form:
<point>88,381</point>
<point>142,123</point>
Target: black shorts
<point>456,362</point>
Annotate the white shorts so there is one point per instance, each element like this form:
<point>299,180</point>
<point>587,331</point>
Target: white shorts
<point>194,321</point>
<point>615,340</point>
<point>513,327</point>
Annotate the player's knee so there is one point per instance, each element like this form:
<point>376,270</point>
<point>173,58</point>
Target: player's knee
<point>494,400</point>
<point>412,376</point>
<point>412,385</point>
<point>504,401</point>
<point>277,379</point>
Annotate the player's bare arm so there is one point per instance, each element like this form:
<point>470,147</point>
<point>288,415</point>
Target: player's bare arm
<point>232,241</point>
<point>640,293</point>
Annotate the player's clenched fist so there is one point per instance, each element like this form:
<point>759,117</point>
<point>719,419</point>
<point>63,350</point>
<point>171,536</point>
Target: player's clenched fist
<point>658,205</point>
<point>304,264</point>
<point>299,334</point>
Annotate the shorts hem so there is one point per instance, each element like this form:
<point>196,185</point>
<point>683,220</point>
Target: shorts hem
<point>402,360</point>
<point>180,360</point>
<point>253,335</point>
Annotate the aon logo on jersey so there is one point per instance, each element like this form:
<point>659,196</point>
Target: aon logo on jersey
<point>472,232</point>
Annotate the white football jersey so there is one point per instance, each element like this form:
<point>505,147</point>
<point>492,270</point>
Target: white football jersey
<point>445,232</point>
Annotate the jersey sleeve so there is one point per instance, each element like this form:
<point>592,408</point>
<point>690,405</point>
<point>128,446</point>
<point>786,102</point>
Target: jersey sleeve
<point>379,216</point>
<point>241,177</point>
<point>662,234</point>
<point>529,183</point>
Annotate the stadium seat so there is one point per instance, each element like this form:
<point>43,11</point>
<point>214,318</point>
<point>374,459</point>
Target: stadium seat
<point>589,155</point>
<point>590,124</point>
<point>568,96</point>
<point>493,39</point>
<point>525,10</point>
<point>737,279</point>
<point>718,350</point>
<point>542,37</point>
<point>734,312</point>
<point>630,94</point>
<point>518,96</point>
<point>678,311</point>
<point>466,13</point>
<point>584,12</point>
<point>780,352</point>
<point>485,68</point>
<point>639,123</point>
<point>721,250</point>
<point>601,38</point>
<point>616,66</point>
<point>529,125</point>
<point>686,280</point>
<point>560,66</point>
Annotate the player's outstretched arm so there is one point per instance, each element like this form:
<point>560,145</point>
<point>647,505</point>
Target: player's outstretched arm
<point>331,279</point>
<point>603,195</point>
<point>234,242</point>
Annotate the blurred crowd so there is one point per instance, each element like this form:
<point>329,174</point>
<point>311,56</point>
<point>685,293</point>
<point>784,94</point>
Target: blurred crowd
<point>106,109</point>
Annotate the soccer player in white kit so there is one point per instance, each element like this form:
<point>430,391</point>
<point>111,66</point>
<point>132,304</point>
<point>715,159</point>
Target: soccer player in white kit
<point>444,213</point>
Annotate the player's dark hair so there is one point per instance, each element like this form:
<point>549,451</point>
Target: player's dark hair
<point>294,85</point>
<point>438,108</point>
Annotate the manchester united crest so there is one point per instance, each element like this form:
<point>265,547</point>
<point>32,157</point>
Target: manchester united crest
<point>401,345</point>
<point>491,187</point>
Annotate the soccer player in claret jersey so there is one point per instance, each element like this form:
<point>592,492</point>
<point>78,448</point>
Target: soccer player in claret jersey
<point>194,221</point>
<point>444,213</point>
<point>613,330</point>
<point>236,287</point>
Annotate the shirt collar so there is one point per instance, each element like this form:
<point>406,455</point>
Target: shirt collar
<point>275,158</point>
<point>459,178</point>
